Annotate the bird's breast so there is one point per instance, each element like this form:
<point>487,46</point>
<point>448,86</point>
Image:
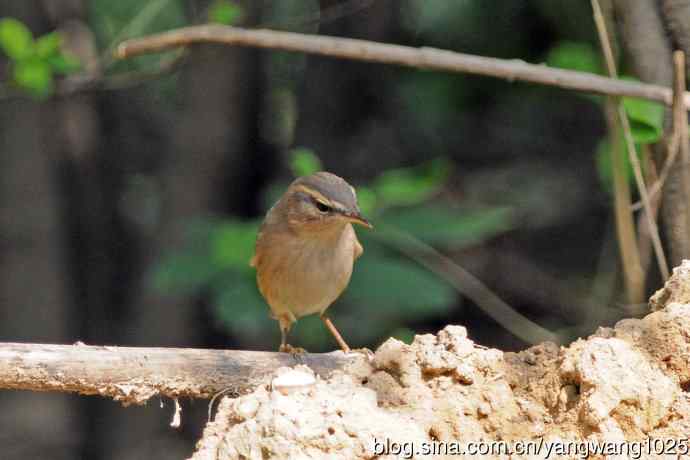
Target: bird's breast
<point>304,276</point>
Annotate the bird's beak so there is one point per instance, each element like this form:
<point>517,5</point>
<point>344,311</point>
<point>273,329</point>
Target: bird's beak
<point>357,218</point>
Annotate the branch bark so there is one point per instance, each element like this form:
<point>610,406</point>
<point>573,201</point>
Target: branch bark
<point>650,30</point>
<point>423,58</point>
<point>625,222</point>
<point>132,375</point>
<point>678,185</point>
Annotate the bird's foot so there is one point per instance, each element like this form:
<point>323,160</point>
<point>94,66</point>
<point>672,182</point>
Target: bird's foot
<point>296,352</point>
<point>287,348</point>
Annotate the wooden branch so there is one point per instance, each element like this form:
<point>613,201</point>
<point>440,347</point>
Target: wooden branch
<point>133,375</point>
<point>677,188</point>
<point>631,264</point>
<point>630,144</point>
<point>423,58</point>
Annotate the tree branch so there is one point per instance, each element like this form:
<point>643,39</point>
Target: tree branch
<point>423,58</point>
<point>677,187</point>
<point>625,221</point>
<point>630,147</point>
<point>133,375</point>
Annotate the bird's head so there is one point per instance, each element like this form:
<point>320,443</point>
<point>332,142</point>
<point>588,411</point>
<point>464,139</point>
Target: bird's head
<point>322,202</point>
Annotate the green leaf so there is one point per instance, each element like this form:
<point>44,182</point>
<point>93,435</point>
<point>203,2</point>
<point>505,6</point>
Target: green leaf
<point>605,167</point>
<point>48,45</point>
<point>232,244</point>
<point>64,64</point>
<point>16,39</point>
<point>398,288</point>
<point>34,76</point>
<point>304,162</point>
<point>225,12</point>
<point>450,227</point>
<point>579,56</point>
<point>646,119</point>
<point>408,186</point>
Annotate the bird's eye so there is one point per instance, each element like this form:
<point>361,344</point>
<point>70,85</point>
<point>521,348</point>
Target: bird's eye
<point>323,207</point>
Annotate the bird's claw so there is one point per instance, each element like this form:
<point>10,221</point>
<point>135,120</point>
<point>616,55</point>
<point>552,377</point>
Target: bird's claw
<point>287,348</point>
<point>296,352</point>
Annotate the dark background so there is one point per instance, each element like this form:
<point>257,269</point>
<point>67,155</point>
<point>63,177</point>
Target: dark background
<point>128,207</point>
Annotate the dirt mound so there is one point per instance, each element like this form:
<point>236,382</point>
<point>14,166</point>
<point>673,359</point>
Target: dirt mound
<point>626,383</point>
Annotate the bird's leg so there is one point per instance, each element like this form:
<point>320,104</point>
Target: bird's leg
<point>338,338</point>
<point>283,339</point>
<point>285,325</point>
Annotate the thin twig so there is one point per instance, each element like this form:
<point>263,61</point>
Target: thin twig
<point>466,284</point>
<point>633,275</point>
<point>658,185</point>
<point>642,189</point>
<point>625,221</point>
<point>126,80</point>
<point>680,117</point>
<point>677,189</point>
<point>145,15</point>
<point>630,143</point>
<point>644,237</point>
<point>423,58</point>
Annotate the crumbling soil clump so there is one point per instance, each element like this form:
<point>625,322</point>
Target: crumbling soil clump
<point>627,383</point>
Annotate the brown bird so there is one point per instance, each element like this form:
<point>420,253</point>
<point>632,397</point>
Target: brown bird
<point>306,248</point>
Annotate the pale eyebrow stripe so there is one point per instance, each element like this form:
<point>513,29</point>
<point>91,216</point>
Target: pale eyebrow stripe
<point>312,192</point>
<point>316,194</point>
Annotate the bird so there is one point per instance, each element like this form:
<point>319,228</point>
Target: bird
<point>305,250</point>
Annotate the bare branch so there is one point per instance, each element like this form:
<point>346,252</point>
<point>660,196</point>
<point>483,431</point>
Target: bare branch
<point>423,58</point>
<point>677,187</point>
<point>680,115</point>
<point>625,222</point>
<point>133,375</point>
<point>466,284</point>
<point>632,152</point>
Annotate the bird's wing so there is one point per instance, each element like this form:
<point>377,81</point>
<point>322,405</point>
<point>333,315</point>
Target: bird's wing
<point>358,248</point>
<point>254,261</point>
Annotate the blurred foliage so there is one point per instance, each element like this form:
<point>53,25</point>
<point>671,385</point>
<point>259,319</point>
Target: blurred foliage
<point>449,24</point>
<point>433,106</point>
<point>410,186</point>
<point>114,22</point>
<point>34,62</point>
<point>646,117</point>
<point>604,162</point>
<point>389,289</point>
<point>578,56</point>
<point>225,12</point>
<point>304,162</point>
<point>646,123</point>
<point>449,227</point>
